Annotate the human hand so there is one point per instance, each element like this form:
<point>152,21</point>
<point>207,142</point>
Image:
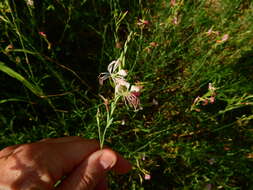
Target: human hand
<point>38,166</point>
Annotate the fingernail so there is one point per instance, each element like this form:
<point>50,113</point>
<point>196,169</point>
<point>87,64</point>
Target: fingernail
<point>106,160</point>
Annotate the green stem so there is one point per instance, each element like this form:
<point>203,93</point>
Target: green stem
<point>109,121</point>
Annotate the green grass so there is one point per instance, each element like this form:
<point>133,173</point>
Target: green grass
<point>49,84</point>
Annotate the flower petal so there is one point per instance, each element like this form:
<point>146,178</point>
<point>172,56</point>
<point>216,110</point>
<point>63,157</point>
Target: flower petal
<point>102,77</point>
<point>121,82</point>
<point>122,73</point>
<point>133,101</point>
<point>113,66</point>
<point>135,88</point>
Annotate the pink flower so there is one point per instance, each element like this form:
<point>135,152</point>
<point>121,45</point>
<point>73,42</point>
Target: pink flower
<point>212,99</point>
<point>175,20</point>
<point>173,3</point>
<point>9,47</point>
<point>142,22</point>
<point>43,34</point>
<point>132,97</point>
<point>205,102</point>
<point>223,39</point>
<point>133,100</point>
<point>130,93</point>
<point>143,157</point>
<point>196,100</point>
<point>147,177</point>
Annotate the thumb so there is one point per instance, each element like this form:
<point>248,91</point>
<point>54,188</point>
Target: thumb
<point>91,171</point>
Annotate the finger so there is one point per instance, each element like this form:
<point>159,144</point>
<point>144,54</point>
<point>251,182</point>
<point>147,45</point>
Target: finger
<point>122,166</point>
<point>102,185</point>
<point>88,175</point>
<point>8,150</point>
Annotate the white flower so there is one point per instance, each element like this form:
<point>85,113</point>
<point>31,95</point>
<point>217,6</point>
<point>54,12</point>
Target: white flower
<point>210,31</point>
<point>30,3</point>
<point>122,72</point>
<point>121,86</point>
<point>112,73</point>
<point>113,66</point>
<point>155,102</point>
<point>130,93</point>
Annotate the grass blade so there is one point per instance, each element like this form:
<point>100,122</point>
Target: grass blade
<point>34,89</point>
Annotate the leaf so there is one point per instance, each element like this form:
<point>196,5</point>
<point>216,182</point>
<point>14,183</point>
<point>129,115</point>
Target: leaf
<point>34,89</point>
<point>11,100</point>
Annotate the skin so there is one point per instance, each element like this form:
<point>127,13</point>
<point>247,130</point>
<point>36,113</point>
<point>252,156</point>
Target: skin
<point>77,162</point>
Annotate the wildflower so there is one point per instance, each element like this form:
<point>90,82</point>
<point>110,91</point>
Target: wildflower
<point>9,48</point>
<point>123,122</point>
<point>211,161</point>
<point>43,34</point>
<point>112,73</point>
<point>142,22</point>
<point>155,102</point>
<point>122,73</point>
<point>205,102</point>
<point>147,177</point>
<point>175,20</point>
<point>211,87</point>
<point>30,3</point>
<point>196,100</point>
<point>130,93</point>
<point>153,44</point>
<point>121,86</point>
<point>143,157</point>
<point>173,3</point>
<point>211,31</point>
<point>49,45</point>
<point>223,39</point>
<point>212,99</point>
